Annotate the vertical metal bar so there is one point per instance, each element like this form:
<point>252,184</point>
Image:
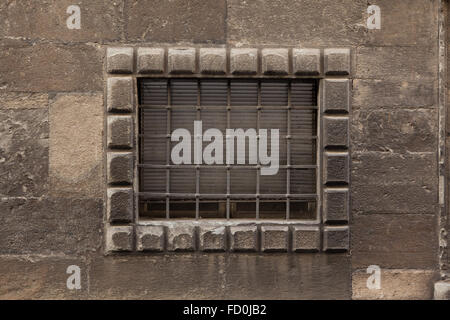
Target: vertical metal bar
<point>228,126</point>
<point>258,170</point>
<point>288,155</point>
<point>197,168</point>
<point>168,123</point>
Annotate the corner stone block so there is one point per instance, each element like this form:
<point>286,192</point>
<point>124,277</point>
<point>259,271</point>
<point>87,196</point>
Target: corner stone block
<point>181,238</point>
<point>335,205</point>
<point>336,167</point>
<point>150,60</point>
<point>335,131</point>
<point>336,95</point>
<point>306,61</point>
<point>120,168</point>
<point>120,205</point>
<point>212,238</point>
<point>150,238</point>
<point>120,94</point>
<point>120,132</point>
<point>442,290</point>
<point>275,61</point>
<point>305,238</point>
<point>244,61</point>
<point>336,238</point>
<point>119,60</point>
<point>244,238</point>
<point>337,61</point>
<point>274,238</point>
<point>119,238</point>
<point>213,60</point>
<point>181,60</point>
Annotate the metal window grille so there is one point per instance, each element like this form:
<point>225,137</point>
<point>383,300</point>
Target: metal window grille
<point>167,190</point>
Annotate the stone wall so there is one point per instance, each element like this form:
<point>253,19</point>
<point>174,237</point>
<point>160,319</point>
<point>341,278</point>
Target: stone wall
<point>52,142</point>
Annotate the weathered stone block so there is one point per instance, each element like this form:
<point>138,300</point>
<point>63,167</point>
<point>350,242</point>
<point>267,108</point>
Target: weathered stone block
<point>275,61</point>
<point>181,60</point>
<point>442,290</point>
<point>120,168</point>
<point>120,132</point>
<point>306,61</point>
<point>23,100</point>
<point>336,95</point>
<point>336,167</point>
<point>335,205</point>
<point>119,238</point>
<point>337,61</point>
<point>119,60</point>
<point>213,60</point>
<point>150,60</point>
<point>181,238</point>
<point>150,238</point>
<point>274,238</point>
<point>244,238</point>
<point>120,94</point>
<point>305,238</point>
<point>336,131</point>
<point>212,238</point>
<point>243,61</point>
<point>335,238</point>
<point>120,205</point>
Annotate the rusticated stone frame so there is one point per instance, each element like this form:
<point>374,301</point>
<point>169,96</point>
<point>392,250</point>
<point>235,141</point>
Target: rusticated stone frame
<point>329,232</point>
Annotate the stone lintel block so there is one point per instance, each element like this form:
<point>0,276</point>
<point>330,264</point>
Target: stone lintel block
<point>120,205</point>
<point>306,61</point>
<point>336,131</point>
<point>213,60</point>
<point>442,290</point>
<point>150,60</point>
<point>244,238</point>
<point>120,94</point>
<point>335,205</point>
<point>181,60</point>
<point>275,61</point>
<point>120,132</point>
<point>337,61</point>
<point>150,238</point>
<point>336,167</point>
<point>274,238</point>
<point>181,238</point>
<point>119,60</point>
<point>120,168</point>
<point>212,238</point>
<point>336,95</point>
<point>243,61</point>
<point>305,238</point>
<point>119,238</point>
<point>336,238</point>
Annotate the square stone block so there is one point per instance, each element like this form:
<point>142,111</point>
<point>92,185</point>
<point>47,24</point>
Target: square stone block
<point>213,238</point>
<point>119,60</point>
<point>305,238</point>
<point>336,95</point>
<point>150,238</point>
<point>181,238</point>
<point>119,238</point>
<point>120,94</point>
<point>336,238</point>
<point>244,238</point>
<point>335,205</point>
<point>335,131</point>
<point>181,60</point>
<point>213,60</point>
<point>337,61</point>
<point>336,167</point>
<point>120,207</point>
<point>306,61</point>
<point>120,132</point>
<point>120,168</point>
<point>244,61</point>
<point>274,238</point>
<point>275,61</point>
<point>150,60</point>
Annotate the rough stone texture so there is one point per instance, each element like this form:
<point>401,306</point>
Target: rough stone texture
<point>336,61</point>
<point>120,205</point>
<point>120,94</point>
<point>120,132</point>
<point>442,290</point>
<point>181,238</point>
<point>336,95</point>
<point>305,238</point>
<point>336,238</point>
<point>274,238</point>
<point>213,60</point>
<point>76,148</point>
<point>150,60</point>
<point>336,167</point>
<point>150,238</point>
<point>243,61</point>
<point>335,205</point>
<point>120,168</point>
<point>306,61</point>
<point>119,60</point>
<point>243,238</point>
<point>119,238</point>
<point>275,61</point>
<point>336,131</point>
<point>212,238</point>
<point>23,100</point>
<point>181,60</point>
<point>397,284</point>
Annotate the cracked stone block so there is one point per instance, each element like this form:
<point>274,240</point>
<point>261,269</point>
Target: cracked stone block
<point>150,60</point>
<point>243,61</point>
<point>337,61</point>
<point>120,94</point>
<point>120,205</point>
<point>150,238</point>
<point>306,61</point>
<point>335,131</point>
<point>442,290</point>
<point>120,132</point>
<point>181,60</point>
<point>335,205</point>
<point>120,168</point>
<point>181,238</point>
<point>213,60</point>
<point>336,238</point>
<point>275,61</point>
<point>119,238</point>
<point>336,167</point>
<point>274,238</point>
<point>119,60</point>
<point>305,238</point>
<point>212,238</point>
<point>336,95</point>
<point>243,238</point>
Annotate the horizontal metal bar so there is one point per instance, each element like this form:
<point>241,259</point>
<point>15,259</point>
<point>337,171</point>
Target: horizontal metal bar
<point>238,107</point>
<point>193,196</point>
<point>219,166</point>
<point>295,136</point>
